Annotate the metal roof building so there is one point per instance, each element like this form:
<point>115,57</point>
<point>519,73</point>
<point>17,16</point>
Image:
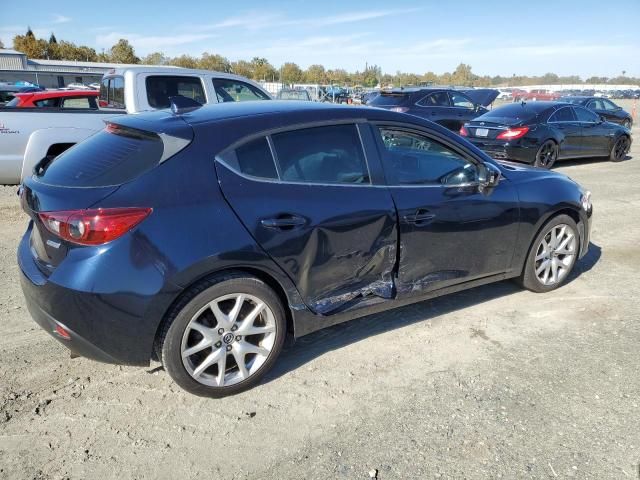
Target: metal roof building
<point>15,67</point>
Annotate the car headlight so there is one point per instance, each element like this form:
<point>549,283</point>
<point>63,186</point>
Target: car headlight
<point>585,200</point>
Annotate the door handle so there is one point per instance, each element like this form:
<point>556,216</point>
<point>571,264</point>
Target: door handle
<point>421,217</point>
<point>283,222</point>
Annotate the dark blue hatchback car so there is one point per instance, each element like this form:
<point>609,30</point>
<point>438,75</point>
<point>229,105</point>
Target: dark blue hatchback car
<point>201,238</point>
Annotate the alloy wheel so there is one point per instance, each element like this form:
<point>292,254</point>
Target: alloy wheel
<point>621,148</point>
<point>555,254</point>
<point>546,155</point>
<point>228,340</point>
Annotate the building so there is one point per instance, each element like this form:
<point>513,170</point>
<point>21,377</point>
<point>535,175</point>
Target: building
<point>16,67</point>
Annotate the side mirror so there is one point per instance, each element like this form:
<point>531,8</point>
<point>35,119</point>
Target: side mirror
<point>488,176</point>
<point>602,119</point>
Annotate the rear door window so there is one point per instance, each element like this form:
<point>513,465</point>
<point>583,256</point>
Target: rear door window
<point>564,114</point>
<point>161,87</point>
<point>253,158</point>
<point>436,99</point>
<point>585,115</point>
<point>236,91</point>
<point>331,154</point>
<point>112,92</point>
<point>460,100</point>
<point>112,156</point>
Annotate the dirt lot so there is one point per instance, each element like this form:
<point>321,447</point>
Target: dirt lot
<point>489,383</point>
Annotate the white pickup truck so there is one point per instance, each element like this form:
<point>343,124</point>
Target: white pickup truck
<point>27,135</point>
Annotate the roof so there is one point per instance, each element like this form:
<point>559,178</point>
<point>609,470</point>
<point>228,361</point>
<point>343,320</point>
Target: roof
<point>59,93</point>
<point>8,51</point>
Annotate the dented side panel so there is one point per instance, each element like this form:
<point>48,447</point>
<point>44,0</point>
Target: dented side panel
<point>345,250</point>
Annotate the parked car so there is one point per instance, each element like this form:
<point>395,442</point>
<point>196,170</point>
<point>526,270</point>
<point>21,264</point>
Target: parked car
<point>605,108</point>
<point>450,108</point>
<point>540,133</point>
<point>506,94</point>
<point>67,99</point>
<point>535,95</point>
<point>293,94</point>
<point>7,92</point>
<point>33,135</point>
<point>203,238</point>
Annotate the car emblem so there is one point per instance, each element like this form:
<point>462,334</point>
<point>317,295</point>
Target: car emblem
<point>481,123</point>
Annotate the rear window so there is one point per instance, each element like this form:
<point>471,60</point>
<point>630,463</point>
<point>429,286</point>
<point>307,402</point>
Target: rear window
<point>390,99</point>
<point>13,102</point>
<point>253,158</point>
<point>110,157</point>
<point>160,88</point>
<point>510,114</point>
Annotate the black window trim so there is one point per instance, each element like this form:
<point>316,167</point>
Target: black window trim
<point>467,155</point>
<point>359,123</point>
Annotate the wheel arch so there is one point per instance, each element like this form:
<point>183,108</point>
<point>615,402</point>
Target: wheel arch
<point>258,273</point>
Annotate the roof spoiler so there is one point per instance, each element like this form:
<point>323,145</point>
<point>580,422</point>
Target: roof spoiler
<point>181,104</point>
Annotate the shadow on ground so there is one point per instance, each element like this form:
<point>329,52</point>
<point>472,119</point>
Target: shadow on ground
<point>586,161</point>
<point>316,344</point>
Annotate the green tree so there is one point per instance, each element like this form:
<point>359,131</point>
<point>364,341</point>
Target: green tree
<point>52,39</point>
<point>290,73</point>
<point>30,45</point>
<point>242,67</point>
<point>214,62</point>
<point>123,52</point>
<point>315,74</point>
<point>185,61</point>
<point>155,58</point>
<point>262,69</point>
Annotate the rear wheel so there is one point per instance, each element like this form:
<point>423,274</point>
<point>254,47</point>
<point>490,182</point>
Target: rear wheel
<point>546,155</point>
<point>552,255</point>
<point>224,336</point>
<point>620,149</point>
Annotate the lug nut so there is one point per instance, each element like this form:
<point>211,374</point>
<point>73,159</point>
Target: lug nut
<point>220,331</point>
<point>218,345</point>
<point>228,348</point>
<point>239,337</point>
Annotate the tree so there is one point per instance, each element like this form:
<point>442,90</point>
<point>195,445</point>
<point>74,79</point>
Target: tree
<point>30,46</point>
<point>52,39</point>
<point>184,61</point>
<point>290,73</point>
<point>315,74</point>
<point>155,58</point>
<point>214,62</point>
<point>29,33</point>
<point>243,68</point>
<point>123,52</point>
<point>262,69</point>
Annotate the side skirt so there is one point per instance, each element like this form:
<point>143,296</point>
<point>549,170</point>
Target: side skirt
<point>306,322</point>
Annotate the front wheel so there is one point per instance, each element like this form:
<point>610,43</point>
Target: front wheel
<point>546,155</point>
<point>552,255</point>
<point>223,336</point>
<point>620,149</point>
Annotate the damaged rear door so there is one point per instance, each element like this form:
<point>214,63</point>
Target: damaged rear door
<point>307,198</point>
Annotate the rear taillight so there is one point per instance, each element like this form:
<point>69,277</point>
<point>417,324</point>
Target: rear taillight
<point>513,133</point>
<point>463,131</point>
<point>399,109</point>
<point>93,227</point>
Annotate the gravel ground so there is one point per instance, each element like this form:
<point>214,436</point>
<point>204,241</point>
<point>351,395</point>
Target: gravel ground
<point>494,382</point>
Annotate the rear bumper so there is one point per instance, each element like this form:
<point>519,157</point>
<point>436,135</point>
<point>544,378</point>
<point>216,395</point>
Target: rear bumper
<point>104,323</point>
<point>506,151</point>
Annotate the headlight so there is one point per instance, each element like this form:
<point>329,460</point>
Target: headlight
<point>585,200</point>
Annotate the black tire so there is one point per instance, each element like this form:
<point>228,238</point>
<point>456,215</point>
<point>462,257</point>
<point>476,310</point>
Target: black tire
<point>171,336</point>
<point>546,155</point>
<point>528,279</point>
<point>620,149</point>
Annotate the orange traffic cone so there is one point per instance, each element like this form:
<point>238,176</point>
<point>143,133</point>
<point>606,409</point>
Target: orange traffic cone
<point>634,110</point>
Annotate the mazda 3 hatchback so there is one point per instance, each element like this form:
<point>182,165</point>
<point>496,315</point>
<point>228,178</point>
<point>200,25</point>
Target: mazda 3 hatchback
<point>201,237</point>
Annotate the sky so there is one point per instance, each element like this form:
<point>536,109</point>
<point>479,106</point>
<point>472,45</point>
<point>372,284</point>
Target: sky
<point>567,37</point>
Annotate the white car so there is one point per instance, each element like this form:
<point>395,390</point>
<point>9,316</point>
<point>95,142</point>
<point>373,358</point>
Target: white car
<point>29,135</point>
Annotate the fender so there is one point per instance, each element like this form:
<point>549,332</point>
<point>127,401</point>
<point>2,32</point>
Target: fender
<point>41,140</point>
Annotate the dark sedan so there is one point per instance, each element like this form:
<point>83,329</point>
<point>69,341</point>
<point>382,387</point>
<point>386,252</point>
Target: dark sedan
<point>540,133</point>
<point>201,237</point>
<point>448,107</point>
<point>603,107</point>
